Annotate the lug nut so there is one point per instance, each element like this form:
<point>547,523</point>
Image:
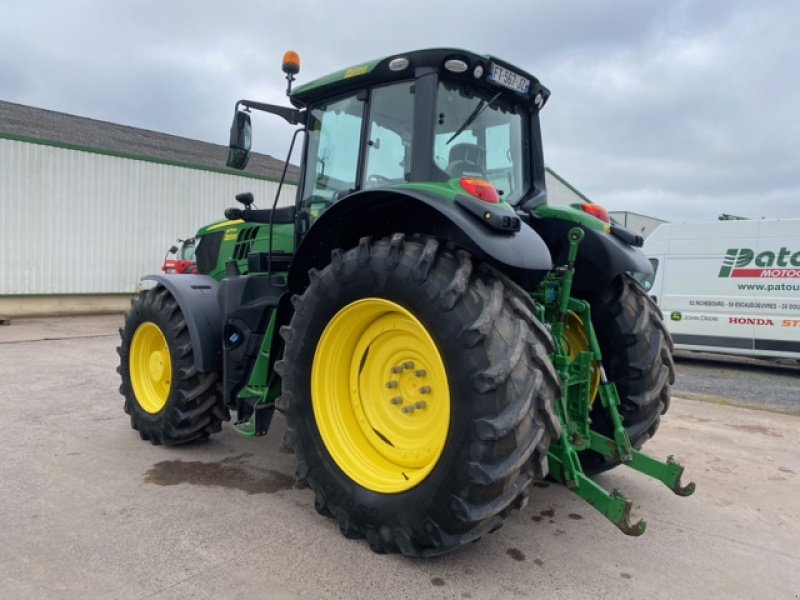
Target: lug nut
<point>391,385</point>
<point>396,400</point>
<point>409,409</point>
<point>420,404</point>
<point>406,366</point>
<point>425,389</point>
<point>420,373</point>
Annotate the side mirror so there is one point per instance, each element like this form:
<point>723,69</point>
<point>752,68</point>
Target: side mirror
<point>241,139</point>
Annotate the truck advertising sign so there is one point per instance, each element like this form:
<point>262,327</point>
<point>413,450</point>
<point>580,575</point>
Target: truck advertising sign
<point>729,286</point>
<point>744,262</point>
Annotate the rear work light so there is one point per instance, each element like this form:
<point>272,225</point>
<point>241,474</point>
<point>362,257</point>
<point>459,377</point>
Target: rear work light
<point>481,189</point>
<point>596,211</point>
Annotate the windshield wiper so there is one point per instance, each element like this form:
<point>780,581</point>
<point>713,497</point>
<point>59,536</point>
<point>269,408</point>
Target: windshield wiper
<point>474,115</point>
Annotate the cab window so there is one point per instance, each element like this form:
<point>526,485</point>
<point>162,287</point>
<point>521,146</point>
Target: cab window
<point>491,147</point>
<point>388,152</point>
<point>333,143</point>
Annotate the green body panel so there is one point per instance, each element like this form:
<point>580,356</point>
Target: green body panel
<point>217,226</point>
<point>239,238</point>
<point>573,215</point>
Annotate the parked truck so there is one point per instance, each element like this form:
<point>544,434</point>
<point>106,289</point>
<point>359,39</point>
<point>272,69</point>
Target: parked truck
<point>731,287</point>
<point>436,336</point>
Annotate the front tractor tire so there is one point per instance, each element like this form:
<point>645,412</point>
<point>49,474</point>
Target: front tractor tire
<point>637,355</point>
<point>169,401</point>
<point>418,395</point>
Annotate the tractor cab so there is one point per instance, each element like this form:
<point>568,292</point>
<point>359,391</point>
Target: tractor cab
<point>444,117</point>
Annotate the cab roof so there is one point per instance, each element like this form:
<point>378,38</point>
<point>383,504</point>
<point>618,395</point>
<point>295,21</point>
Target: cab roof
<point>378,71</point>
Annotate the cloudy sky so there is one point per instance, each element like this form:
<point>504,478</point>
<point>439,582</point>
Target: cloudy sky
<point>678,109</point>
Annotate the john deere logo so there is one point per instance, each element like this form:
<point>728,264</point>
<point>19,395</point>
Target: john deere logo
<point>783,263</point>
<point>675,316</point>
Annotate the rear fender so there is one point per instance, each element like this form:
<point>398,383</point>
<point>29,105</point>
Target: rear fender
<point>601,257</point>
<point>520,253</point>
<point>196,296</point>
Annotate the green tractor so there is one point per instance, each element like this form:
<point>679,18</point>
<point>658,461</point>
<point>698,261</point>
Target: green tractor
<point>436,335</point>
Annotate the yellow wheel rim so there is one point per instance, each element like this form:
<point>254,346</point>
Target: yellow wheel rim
<point>150,367</point>
<point>575,342</point>
<point>380,395</point>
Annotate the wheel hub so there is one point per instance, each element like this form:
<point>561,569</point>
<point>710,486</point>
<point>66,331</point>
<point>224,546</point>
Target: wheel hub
<point>150,367</point>
<point>412,386</point>
<point>380,395</point>
<point>157,360</point>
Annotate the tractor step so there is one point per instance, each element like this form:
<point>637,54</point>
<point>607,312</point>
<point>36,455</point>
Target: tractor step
<point>258,423</point>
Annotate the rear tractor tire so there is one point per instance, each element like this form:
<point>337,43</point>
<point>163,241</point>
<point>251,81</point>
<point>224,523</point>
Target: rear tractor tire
<point>637,355</point>
<point>418,395</point>
<point>169,401</point>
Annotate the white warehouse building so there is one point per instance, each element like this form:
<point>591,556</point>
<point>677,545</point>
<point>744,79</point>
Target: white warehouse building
<point>88,207</point>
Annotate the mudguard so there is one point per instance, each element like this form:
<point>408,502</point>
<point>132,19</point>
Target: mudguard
<point>507,242</point>
<point>601,257</point>
<point>197,297</point>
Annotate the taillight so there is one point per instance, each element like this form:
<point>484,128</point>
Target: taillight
<point>596,211</point>
<point>481,189</point>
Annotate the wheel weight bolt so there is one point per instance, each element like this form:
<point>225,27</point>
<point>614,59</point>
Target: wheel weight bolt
<point>392,385</point>
<point>397,400</point>
<point>420,373</point>
<point>425,389</point>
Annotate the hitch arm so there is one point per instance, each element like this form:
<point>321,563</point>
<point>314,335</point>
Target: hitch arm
<point>669,473</point>
<point>614,505</point>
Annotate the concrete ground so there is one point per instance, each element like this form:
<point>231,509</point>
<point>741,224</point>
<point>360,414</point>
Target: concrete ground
<point>88,510</point>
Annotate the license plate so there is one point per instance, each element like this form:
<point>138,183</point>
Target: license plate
<point>502,76</point>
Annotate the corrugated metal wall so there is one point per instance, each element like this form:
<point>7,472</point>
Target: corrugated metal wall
<point>74,222</point>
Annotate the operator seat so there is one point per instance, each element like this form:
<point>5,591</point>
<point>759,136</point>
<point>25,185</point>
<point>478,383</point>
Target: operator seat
<point>465,160</point>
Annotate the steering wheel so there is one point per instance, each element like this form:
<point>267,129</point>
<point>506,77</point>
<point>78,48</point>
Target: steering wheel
<point>377,179</point>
